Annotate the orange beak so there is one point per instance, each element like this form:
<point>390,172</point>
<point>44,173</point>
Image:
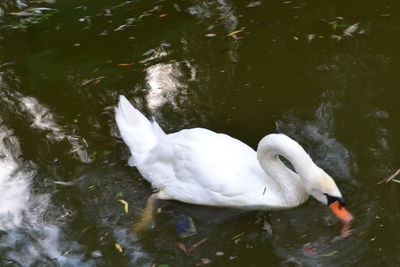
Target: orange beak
<point>341,212</point>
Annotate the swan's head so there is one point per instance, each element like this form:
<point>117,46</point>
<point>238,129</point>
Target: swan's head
<point>323,188</point>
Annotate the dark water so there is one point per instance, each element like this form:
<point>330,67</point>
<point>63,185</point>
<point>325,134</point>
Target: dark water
<point>296,67</point>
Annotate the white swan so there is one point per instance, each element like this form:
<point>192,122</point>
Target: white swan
<point>202,167</point>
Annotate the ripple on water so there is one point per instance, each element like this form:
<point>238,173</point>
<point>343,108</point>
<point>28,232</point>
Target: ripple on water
<point>25,238</point>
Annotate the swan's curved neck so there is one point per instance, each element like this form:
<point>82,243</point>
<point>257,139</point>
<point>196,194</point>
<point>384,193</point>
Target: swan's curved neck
<point>292,184</point>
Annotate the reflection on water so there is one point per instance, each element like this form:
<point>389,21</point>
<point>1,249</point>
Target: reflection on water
<point>43,119</point>
<point>29,236</point>
<point>33,240</point>
<point>163,82</point>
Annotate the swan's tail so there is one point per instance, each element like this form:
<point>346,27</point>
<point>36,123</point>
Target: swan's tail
<point>136,130</point>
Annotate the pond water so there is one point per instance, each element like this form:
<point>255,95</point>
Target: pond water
<point>324,73</point>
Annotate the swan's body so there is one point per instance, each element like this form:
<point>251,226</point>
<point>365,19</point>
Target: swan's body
<point>202,167</point>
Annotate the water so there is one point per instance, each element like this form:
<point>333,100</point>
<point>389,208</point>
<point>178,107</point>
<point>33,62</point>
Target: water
<point>290,69</point>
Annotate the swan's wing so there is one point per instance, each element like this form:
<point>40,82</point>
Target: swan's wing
<point>202,167</point>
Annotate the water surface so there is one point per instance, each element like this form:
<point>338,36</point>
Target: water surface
<point>322,73</point>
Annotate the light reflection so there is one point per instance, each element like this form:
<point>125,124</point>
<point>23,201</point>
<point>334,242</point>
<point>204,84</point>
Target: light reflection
<point>26,238</point>
<point>164,85</point>
<point>43,119</point>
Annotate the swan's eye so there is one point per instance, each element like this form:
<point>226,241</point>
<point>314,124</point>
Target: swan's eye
<point>332,199</point>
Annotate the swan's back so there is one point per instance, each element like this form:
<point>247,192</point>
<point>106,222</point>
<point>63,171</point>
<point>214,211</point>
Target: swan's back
<point>202,167</point>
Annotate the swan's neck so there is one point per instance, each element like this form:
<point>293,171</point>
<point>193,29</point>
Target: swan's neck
<point>291,184</point>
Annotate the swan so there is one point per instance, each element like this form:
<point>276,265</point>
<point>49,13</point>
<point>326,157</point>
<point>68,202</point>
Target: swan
<point>199,166</point>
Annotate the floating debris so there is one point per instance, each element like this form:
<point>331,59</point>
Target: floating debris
<point>220,253</point>
<point>182,247</point>
<point>126,205</point>
<point>122,27</point>
<point>267,227</point>
<point>96,254</point>
<point>390,178</point>
<point>196,245</point>
<point>311,37</point>
<point>235,32</point>
<point>165,44</point>
<point>118,247</point>
<point>206,261</point>
<point>65,183</point>
<point>93,81</point>
<point>253,4</point>
<point>124,64</point>
<point>210,35</point>
<point>188,251</point>
<point>237,236</point>
<point>350,30</point>
<point>329,254</point>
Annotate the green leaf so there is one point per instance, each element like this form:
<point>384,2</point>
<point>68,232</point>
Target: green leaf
<point>330,253</point>
<point>163,265</point>
<point>119,194</point>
